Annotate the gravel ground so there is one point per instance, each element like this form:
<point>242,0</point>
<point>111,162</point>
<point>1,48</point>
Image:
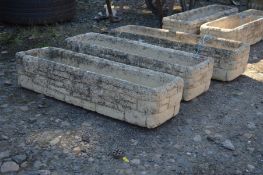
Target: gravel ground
<point>220,132</point>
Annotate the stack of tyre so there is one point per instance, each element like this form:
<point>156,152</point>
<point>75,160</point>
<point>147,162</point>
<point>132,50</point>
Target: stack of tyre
<point>36,11</point>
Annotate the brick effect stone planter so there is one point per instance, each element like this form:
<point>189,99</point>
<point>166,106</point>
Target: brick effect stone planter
<point>246,27</point>
<point>135,95</point>
<point>196,73</point>
<point>190,21</point>
<point>230,57</point>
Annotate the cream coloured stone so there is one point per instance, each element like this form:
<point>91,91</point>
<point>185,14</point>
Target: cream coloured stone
<point>165,101</point>
<point>163,108</point>
<point>189,94</point>
<point>148,107</point>
<point>88,105</point>
<point>227,54</point>
<point>143,55</point>
<point>24,80</point>
<point>246,27</point>
<point>155,120</point>
<point>190,21</point>
<point>51,93</point>
<point>100,85</point>
<point>135,117</point>
<point>110,112</point>
<point>176,109</point>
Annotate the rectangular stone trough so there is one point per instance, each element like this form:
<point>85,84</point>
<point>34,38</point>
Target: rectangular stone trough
<point>190,21</point>
<point>230,57</point>
<point>196,73</point>
<point>246,27</point>
<point>139,96</point>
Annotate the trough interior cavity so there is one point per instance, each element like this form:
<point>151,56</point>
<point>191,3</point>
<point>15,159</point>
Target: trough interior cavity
<point>178,37</point>
<point>233,22</point>
<point>141,30</point>
<point>139,49</point>
<point>103,68</point>
<point>199,13</point>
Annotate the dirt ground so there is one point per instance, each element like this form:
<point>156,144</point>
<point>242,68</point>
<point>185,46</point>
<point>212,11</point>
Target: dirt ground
<point>220,132</point>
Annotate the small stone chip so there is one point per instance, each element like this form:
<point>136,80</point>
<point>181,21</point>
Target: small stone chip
<point>228,145</point>
<point>9,166</point>
<point>4,52</point>
<point>77,150</point>
<point>4,154</point>
<point>197,138</point>
<point>55,141</point>
<point>250,167</point>
<point>136,161</point>
<point>19,158</point>
<point>8,82</point>
<point>85,138</point>
<point>24,108</point>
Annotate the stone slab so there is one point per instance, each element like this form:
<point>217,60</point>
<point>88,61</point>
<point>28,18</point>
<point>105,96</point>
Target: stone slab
<point>109,88</point>
<point>246,27</point>
<point>230,57</point>
<point>148,56</point>
<point>190,21</point>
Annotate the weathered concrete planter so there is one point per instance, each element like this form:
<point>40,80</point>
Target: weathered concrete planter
<point>196,73</point>
<point>246,27</point>
<point>135,95</point>
<point>230,57</point>
<point>190,21</point>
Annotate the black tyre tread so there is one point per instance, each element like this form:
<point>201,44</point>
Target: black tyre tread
<point>34,3</point>
<point>37,11</point>
<point>28,8</point>
<point>40,10</point>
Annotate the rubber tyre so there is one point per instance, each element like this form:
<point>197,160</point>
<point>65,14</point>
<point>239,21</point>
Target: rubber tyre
<point>255,4</point>
<point>37,11</point>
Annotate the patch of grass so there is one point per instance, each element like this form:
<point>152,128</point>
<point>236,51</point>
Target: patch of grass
<point>8,39</point>
<point>43,44</point>
<point>52,31</point>
<point>5,38</point>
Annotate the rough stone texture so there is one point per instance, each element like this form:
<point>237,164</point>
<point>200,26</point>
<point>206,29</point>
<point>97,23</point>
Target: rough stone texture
<point>230,57</point>
<point>246,27</point>
<point>190,21</point>
<point>135,95</point>
<point>4,154</point>
<point>196,73</point>
<point>9,166</point>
